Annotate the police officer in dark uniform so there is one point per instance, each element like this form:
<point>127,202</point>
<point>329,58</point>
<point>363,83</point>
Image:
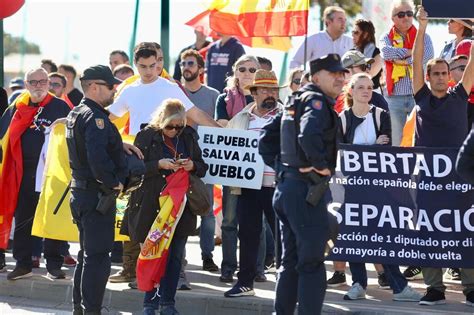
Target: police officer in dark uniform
<point>301,144</point>
<point>97,159</point>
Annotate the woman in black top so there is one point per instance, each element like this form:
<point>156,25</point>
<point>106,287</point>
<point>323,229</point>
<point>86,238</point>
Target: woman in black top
<point>167,145</point>
<point>363,36</point>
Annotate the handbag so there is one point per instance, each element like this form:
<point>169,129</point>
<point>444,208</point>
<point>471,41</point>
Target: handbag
<point>199,201</point>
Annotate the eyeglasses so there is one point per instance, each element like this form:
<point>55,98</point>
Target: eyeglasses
<point>189,63</point>
<point>460,68</point>
<point>109,86</point>
<point>402,14</point>
<point>177,128</point>
<point>296,81</point>
<point>35,82</point>
<point>55,85</point>
<point>251,70</point>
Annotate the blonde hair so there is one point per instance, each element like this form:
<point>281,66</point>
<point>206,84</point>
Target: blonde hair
<point>232,81</point>
<point>347,91</point>
<point>169,110</point>
<point>292,74</point>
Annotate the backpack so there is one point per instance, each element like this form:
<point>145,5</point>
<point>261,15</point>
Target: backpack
<point>378,113</point>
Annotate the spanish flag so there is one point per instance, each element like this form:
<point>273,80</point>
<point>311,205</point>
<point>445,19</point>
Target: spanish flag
<point>151,264</point>
<point>259,18</point>
<point>201,22</point>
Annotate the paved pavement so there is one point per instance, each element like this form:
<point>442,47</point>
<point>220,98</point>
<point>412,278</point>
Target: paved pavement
<point>206,296</point>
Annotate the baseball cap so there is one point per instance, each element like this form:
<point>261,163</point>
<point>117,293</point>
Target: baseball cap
<point>330,62</point>
<point>17,82</point>
<point>100,72</point>
<point>354,58</point>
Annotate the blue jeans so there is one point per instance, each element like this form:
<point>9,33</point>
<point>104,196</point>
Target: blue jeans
<point>208,227</point>
<point>394,277</point>
<point>305,232</point>
<point>229,231</point>
<point>267,245</point>
<point>169,282</point>
<point>400,107</point>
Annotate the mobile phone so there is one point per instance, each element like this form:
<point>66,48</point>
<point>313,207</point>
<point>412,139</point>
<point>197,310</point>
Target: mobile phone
<point>181,161</point>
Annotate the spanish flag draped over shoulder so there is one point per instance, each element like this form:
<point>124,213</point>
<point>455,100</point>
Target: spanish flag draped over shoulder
<point>11,169</point>
<point>57,175</point>
<point>259,18</point>
<point>151,264</point>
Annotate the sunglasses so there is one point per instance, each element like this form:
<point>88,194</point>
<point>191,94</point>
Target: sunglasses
<point>460,68</point>
<point>109,86</point>
<point>362,67</point>
<point>177,128</point>
<point>55,85</point>
<point>189,63</point>
<point>35,82</point>
<point>402,14</point>
<point>296,81</point>
<point>243,69</point>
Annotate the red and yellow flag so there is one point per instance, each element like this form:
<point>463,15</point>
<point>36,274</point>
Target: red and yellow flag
<point>259,18</point>
<point>151,264</point>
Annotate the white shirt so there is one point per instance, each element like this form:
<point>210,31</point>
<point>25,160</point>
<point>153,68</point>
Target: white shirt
<point>256,123</point>
<point>321,44</point>
<point>141,100</point>
<point>365,133</point>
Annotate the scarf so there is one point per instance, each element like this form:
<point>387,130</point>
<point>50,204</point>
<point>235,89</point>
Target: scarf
<point>396,72</point>
<point>235,101</point>
<point>11,172</point>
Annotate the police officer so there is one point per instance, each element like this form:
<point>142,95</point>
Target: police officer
<point>97,159</point>
<point>301,144</point>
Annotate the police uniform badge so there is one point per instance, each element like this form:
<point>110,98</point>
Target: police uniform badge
<point>317,104</point>
<point>99,122</point>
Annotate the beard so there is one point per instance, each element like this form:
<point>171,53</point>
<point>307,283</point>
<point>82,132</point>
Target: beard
<point>191,77</point>
<point>269,103</point>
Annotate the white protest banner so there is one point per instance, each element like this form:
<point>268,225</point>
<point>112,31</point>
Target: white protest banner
<point>232,156</point>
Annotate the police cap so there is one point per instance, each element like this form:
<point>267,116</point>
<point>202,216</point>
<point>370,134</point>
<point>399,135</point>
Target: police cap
<point>100,72</point>
<point>330,62</point>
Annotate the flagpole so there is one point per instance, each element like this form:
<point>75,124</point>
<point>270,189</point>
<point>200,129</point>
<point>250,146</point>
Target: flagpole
<point>1,55</point>
<point>134,30</point>
<point>306,38</point>
<point>165,32</point>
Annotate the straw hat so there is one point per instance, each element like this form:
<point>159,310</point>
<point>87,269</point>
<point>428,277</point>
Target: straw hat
<point>264,78</point>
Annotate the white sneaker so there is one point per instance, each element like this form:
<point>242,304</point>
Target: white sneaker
<point>356,292</point>
<point>408,295</point>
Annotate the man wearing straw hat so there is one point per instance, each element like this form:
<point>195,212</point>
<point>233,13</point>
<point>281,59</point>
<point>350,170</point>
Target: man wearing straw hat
<point>252,203</point>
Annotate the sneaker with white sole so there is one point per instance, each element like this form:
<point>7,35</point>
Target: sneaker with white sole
<point>407,295</point>
<point>413,273</point>
<point>433,297</point>
<point>338,279</point>
<point>356,292</point>
<point>19,273</point>
<point>238,290</point>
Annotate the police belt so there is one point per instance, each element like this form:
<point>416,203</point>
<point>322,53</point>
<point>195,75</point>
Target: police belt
<point>85,184</point>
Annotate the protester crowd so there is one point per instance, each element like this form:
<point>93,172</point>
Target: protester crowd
<point>387,92</point>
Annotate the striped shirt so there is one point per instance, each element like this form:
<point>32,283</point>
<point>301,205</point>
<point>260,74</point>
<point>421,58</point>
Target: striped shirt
<point>256,123</point>
<point>404,85</point>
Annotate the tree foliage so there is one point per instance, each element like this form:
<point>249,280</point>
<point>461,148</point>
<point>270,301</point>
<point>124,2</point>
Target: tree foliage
<point>16,45</point>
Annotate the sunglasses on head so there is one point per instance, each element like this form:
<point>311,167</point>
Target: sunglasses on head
<point>177,128</point>
<point>402,14</point>
<point>189,63</point>
<point>243,69</point>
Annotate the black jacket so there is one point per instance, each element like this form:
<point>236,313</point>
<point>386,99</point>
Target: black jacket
<point>352,121</point>
<point>143,204</point>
